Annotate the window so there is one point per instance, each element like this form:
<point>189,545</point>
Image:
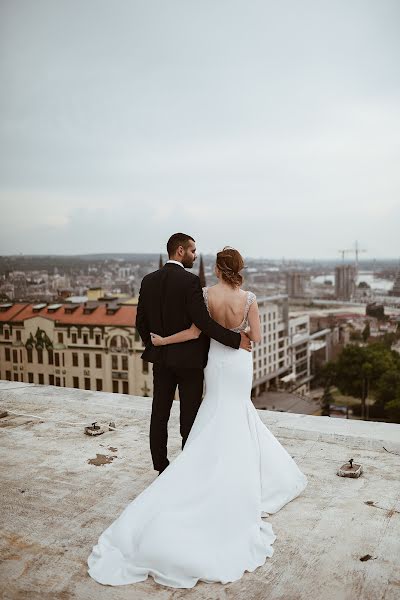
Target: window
<point>98,361</point>
<point>6,334</point>
<point>60,338</point>
<point>63,359</point>
<point>114,361</point>
<point>51,379</point>
<point>18,335</point>
<point>15,356</point>
<point>16,377</point>
<point>8,353</point>
<point>50,357</point>
<point>30,377</point>
<point>85,338</point>
<point>74,338</point>
<point>29,355</point>
<point>8,375</point>
<point>115,387</point>
<point>86,360</point>
<point>99,385</point>
<point>119,343</point>
<point>41,378</point>
<point>124,363</point>
<point>98,339</point>
<point>75,362</point>
<point>87,383</point>
<point>57,359</point>
<point>58,381</point>
<point>125,387</point>
<point>75,382</point>
<point>145,366</point>
<point>40,356</point>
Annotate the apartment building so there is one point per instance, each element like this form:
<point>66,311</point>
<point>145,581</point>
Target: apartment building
<point>282,358</point>
<point>93,346</point>
<point>345,282</point>
<point>299,352</point>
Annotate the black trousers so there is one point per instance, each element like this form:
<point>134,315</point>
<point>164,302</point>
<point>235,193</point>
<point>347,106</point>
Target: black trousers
<point>165,381</point>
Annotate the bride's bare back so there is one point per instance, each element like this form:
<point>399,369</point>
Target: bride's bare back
<point>227,305</point>
<point>232,308</point>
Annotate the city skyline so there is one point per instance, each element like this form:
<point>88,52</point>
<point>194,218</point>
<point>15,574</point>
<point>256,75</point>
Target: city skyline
<point>271,128</point>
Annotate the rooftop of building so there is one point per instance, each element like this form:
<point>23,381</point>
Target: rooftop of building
<point>63,488</point>
<point>86,313</point>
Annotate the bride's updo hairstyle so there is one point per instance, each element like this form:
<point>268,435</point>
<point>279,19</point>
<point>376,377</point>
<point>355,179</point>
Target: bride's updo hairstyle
<point>230,262</point>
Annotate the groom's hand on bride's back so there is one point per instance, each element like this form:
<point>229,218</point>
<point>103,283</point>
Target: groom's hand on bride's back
<point>245,342</point>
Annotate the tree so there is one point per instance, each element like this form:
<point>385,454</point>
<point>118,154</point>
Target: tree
<point>325,376</point>
<point>392,410</point>
<point>366,331</point>
<point>326,402</point>
<point>360,371</point>
<point>388,387</point>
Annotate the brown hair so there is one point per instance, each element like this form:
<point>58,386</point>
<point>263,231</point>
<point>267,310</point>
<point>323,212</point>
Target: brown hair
<point>230,262</point>
<point>176,240</point>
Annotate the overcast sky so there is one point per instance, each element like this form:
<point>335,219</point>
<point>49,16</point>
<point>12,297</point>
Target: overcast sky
<point>273,127</point>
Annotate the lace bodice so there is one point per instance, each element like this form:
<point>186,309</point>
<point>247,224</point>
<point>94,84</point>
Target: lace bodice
<point>250,297</point>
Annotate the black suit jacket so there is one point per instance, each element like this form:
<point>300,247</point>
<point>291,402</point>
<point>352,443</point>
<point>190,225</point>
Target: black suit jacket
<point>170,300</point>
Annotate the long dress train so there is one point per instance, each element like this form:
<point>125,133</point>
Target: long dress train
<point>201,518</point>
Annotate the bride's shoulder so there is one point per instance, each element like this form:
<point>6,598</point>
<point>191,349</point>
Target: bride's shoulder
<point>251,297</point>
<point>206,289</point>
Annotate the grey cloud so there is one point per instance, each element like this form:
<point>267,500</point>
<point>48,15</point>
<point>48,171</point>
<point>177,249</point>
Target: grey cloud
<point>277,120</point>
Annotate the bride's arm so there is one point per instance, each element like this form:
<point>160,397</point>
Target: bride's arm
<point>183,336</point>
<point>254,323</point>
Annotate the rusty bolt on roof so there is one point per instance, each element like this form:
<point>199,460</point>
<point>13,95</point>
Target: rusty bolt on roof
<point>350,470</point>
<point>94,429</point>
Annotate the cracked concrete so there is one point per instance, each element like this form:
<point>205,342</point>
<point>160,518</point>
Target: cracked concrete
<point>338,541</point>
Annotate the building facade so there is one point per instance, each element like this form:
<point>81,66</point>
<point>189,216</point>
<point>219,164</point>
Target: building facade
<point>282,358</point>
<point>345,282</point>
<point>93,347</point>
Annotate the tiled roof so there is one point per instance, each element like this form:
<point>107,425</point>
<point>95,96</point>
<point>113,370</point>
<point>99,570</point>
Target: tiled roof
<point>9,314</point>
<point>124,316</point>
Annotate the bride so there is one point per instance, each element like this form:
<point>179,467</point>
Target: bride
<point>201,519</point>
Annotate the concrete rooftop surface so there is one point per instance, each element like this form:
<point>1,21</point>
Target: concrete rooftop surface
<point>61,488</point>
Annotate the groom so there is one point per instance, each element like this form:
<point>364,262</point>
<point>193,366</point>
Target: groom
<point>170,300</point>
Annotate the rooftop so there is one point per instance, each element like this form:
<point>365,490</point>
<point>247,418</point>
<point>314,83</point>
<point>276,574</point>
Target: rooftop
<point>101,314</point>
<point>61,489</point>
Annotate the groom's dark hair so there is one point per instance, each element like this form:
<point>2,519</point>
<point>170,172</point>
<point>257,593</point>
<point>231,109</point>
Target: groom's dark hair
<point>176,240</point>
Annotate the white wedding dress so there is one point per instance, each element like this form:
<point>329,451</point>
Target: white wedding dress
<point>201,519</point>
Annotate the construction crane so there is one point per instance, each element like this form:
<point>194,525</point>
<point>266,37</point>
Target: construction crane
<point>343,252</point>
<point>356,250</point>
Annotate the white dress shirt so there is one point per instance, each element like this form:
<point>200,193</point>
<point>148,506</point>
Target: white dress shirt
<point>175,262</point>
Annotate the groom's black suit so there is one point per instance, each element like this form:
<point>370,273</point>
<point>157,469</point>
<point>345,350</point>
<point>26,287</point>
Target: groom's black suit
<point>170,300</point>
